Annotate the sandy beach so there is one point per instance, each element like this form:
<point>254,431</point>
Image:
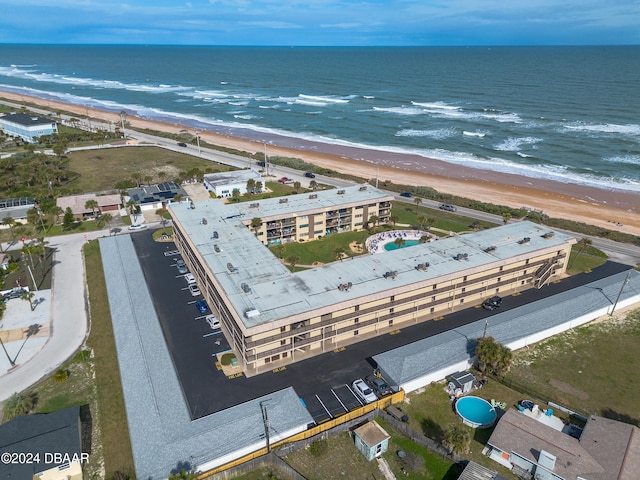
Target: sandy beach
<point>614,210</point>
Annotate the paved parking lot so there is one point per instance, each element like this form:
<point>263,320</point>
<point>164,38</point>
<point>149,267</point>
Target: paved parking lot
<point>322,382</point>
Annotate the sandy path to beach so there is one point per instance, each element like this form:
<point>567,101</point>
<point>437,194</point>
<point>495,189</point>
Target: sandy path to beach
<point>614,210</point>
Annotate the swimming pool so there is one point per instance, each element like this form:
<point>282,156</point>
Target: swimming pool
<point>476,412</point>
<point>407,243</point>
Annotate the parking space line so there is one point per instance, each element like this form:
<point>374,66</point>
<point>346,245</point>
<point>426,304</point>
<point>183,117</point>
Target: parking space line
<point>354,394</point>
<point>338,398</point>
<point>323,406</point>
<point>210,334</point>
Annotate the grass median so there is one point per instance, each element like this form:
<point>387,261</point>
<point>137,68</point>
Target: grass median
<point>112,417</point>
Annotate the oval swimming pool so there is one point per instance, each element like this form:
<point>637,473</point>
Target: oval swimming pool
<point>407,243</point>
<point>476,412</point>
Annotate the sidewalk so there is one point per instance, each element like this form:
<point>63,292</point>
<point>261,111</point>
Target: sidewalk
<point>67,318</point>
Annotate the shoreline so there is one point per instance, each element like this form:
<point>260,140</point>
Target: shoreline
<point>610,209</point>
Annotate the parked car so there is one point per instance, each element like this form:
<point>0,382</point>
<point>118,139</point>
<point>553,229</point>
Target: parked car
<point>15,292</point>
<point>406,194</point>
<point>309,174</point>
<point>202,306</point>
<point>182,266</point>
<point>378,385</point>
<point>448,208</point>
<point>194,289</point>
<point>182,144</point>
<point>138,226</point>
<point>213,322</point>
<point>492,303</point>
<point>190,278</point>
<point>364,391</point>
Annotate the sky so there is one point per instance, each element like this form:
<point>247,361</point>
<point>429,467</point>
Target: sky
<point>322,22</point>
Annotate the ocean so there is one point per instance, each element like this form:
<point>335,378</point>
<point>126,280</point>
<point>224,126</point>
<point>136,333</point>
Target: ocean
<point>570,114</point>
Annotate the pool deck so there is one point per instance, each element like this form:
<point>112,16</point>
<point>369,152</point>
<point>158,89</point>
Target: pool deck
<point>540,416</point>
<point>376,243</point>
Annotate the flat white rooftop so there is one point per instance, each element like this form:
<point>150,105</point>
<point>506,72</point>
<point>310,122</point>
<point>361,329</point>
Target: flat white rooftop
<point>276,293</point>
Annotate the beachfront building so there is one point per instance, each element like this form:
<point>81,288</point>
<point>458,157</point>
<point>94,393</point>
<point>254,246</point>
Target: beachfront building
<point>272,316</point>
<point>29,127</point>
<point>223,184</point>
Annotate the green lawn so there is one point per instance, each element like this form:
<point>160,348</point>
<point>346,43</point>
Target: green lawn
<point>101,169</point>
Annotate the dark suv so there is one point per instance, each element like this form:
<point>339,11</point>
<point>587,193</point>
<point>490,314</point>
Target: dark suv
<point>310,175</point>
<point>378,385</point>
<point>492,303</point>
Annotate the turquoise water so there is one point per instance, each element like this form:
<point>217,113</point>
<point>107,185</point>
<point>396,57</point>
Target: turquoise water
<point>476,410</point>
<point>408,243</point>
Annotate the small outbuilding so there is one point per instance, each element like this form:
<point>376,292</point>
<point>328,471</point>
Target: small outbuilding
<point>223,184</point>
<point>462,380</point>
<point>371,439</point>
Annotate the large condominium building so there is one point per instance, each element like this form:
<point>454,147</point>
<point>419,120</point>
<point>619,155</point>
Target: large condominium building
<point>272,316</point>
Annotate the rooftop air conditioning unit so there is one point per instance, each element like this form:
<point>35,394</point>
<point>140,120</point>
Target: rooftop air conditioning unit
<point>341,192</point>
<point>284,200</point>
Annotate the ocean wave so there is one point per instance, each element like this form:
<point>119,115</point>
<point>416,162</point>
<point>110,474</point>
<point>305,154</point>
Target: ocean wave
<point>245,116</point>
<point>529,169</point>
<point>474,134</point>
<point>631,129</point>
<point>437,134</point>
<point>403,110</point>
<point>44,77</point>
<point>513,144</point>
<point>435,105</point>
<point>626,159</point>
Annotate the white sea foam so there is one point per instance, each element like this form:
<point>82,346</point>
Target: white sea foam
<point>245,116</point>
<point>436,105</point>
<point>437,134</point>
<point>404,110</point>
<point>631,129</point>
<point>513,144</point>
<point>474,134</point>
<point>626,159</point>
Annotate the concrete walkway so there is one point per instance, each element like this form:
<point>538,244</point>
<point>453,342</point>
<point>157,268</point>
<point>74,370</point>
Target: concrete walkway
<point>68,322</point>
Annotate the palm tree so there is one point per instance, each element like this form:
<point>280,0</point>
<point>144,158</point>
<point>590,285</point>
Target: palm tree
<point>16,405</point>
<point>492,357</point>
<point>374,219</point>
<point>506,217</point>
<point>92,205</point>
<point>259,186</point>
<point>313,185</point>
<point>280,249</point>
<point>106,219</point>
<point>293,261</point>
<point>256,223</point>
<point>394,219</point>
<point>251,186</point>
<point>28,296</point>
<point>296,186</point>
<point>338,253</point>
<point>400,242</point>
<point>132,207</point>
<point>418,202</point>
<point>235,195</point>
<point>421,220</point>
<point>581,244</point>
<point>177,197</point>
<point>9,222</point>
<point>56,211</point>
<point>457,438</point>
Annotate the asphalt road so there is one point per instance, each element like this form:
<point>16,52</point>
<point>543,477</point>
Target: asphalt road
<point>322,382</point>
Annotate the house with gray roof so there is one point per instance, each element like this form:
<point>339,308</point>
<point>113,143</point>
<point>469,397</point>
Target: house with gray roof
<point>16,208</point>
<point>154,197</point>
<point>606,449</point>
<point>53,442</point>
<point>29,127</point>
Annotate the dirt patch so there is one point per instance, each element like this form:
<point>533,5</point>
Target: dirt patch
<point>566,388</point>
<point>356,247</point>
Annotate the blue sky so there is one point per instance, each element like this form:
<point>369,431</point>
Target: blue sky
<point>322,22</point>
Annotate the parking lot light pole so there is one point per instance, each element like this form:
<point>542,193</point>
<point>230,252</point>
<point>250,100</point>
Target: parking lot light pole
<point>486,324</point>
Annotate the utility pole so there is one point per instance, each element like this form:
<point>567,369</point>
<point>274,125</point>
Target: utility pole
<point>266,160</point>
<point>123,117</point>
<point>624,284</point>
<point>265,419</point>
<point>198,139</point>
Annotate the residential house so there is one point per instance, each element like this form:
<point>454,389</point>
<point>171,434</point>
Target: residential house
<point>50,445</point>
<point>223,184</point>
<point>77,203</point>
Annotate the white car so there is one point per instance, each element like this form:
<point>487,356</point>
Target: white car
<point>194,289</point>
<point>213,322</point>
<point>190,278</point>
<point>364,391</point>
<point>138,226</point>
